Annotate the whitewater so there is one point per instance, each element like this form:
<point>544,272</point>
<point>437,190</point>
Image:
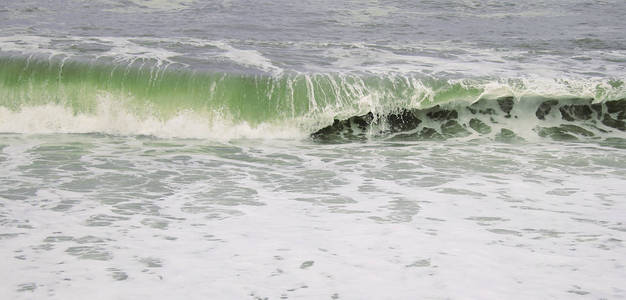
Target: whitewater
<point>328,149</point>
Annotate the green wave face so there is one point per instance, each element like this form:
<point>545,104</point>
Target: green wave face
<point>250,98</point>
<point>307,101</point>
<point>148,90</point>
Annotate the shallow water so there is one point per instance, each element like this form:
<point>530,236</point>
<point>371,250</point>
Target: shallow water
<point>144,217</point>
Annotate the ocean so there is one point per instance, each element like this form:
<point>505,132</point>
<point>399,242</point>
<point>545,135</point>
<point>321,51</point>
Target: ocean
<point>236,149</point>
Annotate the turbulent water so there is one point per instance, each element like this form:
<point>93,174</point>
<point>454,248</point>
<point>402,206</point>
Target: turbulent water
<point>324,149</point>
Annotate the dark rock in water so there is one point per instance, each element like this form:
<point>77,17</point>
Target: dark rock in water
<point>334,128</point>
<point>506,105</point>
<point>452,128</point>
<point>597,108</point>
<point>354,127</point>
<point>403,121</point>
<point>362,121</point>
<point>565,115</point>
<point>556,133</point>
<point>613,123</point>
<point>345,126</point>
<point>474,109</point>
<point>479,126</point>
<point>544,109</point>
<point>618,106</point>
<point>443,115</point>
<point>428,133</point>
<point>487,111</point>
<point>508,136</point>
<point>575,112</point>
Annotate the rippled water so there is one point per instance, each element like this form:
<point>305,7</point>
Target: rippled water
<point>456,149</point>
<point>144,217</point>
<point>457,38</point>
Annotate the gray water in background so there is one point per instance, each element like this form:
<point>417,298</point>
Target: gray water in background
<point>130,217</point>
<point>583,37</point>
<point>541,25</point>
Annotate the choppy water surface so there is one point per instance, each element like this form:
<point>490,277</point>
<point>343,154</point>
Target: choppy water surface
<point>137,217</point>
<point>312,150</point>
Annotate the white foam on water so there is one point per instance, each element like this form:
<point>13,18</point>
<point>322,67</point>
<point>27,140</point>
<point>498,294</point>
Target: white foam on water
<point>129,50</point>
<point>132,49</point>
<point>284,219</point>
<point>28,45</point>
<point>122,49</point>
<point>465,60</point>
<point>593,88</point>
<point>112,117</point>
<point>250,58</point>
<point>445,58</point>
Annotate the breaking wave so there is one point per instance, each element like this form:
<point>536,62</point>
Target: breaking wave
<point>51,96</point>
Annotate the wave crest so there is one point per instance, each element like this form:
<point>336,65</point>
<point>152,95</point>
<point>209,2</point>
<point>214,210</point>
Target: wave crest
<point>48,95</point>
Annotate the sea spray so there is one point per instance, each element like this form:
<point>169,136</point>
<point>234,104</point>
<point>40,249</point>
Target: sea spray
<point>64,95</point>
